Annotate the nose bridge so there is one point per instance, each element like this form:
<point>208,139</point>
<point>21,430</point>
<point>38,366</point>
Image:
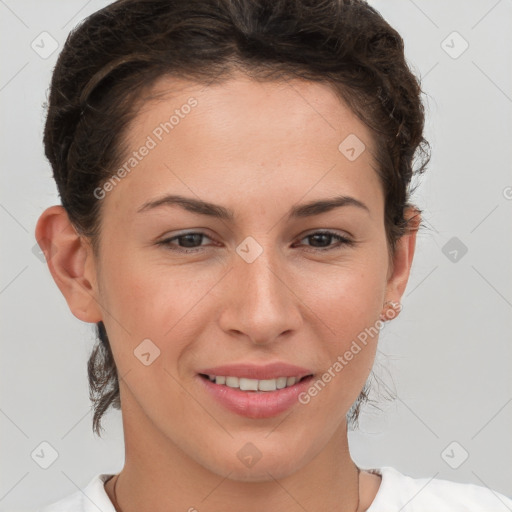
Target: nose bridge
<point>261,278</point>
<point>262,306</point>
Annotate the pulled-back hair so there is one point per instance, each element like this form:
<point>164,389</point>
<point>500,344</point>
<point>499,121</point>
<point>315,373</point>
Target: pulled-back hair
<point>117,53</point>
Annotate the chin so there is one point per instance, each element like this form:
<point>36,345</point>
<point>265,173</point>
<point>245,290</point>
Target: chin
<point>250,465</point>
<point>261,472</point>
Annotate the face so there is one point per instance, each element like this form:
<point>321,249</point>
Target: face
<point>254,280</point>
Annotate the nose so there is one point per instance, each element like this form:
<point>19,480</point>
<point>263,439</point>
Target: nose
<point>261,304</point>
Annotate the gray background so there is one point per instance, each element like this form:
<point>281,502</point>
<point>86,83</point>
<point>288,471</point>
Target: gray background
<point>447,355</point>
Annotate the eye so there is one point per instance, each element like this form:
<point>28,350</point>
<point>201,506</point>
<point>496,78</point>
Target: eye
<point>324,237</point>
<point>190,242</point>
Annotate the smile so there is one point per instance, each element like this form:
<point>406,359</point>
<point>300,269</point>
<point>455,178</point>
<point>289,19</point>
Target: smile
<point>255,385</point>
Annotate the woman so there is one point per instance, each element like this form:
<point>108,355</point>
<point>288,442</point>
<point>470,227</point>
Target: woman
<point>235,180</point>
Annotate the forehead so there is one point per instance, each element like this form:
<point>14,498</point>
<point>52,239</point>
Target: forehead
<point>246,136</point>
<point>310,109</point>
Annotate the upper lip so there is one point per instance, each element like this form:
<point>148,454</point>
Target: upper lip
<point>259,372</point>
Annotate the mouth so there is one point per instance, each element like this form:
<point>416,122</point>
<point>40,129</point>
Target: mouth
<point>255,390</point>
<point>255,385</point>
<point>255,398</point>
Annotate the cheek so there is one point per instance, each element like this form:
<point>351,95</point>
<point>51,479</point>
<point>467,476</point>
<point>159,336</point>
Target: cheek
<point>348,346</point>
<point>149,296</point>
<point>349,301</point>
<point>157,303</point>
<point>348,296</point>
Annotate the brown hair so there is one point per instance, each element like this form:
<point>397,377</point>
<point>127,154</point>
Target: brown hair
<point>118,52</point>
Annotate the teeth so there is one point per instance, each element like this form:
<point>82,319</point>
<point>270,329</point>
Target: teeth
<point>281,382</point>
<point>232,382</point>
<point>267,385</point>
<point>245,384</point>
<point>248,384</point>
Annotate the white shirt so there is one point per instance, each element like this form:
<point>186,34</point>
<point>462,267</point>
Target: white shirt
<point>397,492</point>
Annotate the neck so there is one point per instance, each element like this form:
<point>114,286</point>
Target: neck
<point>159,476</point>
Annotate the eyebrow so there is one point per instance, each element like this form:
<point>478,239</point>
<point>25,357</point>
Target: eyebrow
<point>220,212</point>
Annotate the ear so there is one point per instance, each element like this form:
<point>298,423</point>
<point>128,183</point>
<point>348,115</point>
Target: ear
<point>402,258</point>
<point>70,261</point>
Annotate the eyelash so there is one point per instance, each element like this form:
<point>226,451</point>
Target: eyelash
<point>343,241</point>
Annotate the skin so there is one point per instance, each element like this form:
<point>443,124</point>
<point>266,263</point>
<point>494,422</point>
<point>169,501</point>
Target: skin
<point>258,148</point>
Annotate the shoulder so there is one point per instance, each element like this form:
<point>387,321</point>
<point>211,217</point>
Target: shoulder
<point>91,498</point>
<point>401,492</point>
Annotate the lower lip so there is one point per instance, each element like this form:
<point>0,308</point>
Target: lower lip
<point>251,404</point>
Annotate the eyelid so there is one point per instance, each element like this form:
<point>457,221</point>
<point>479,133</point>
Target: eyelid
<point>327,231</point>
<point>177,234</point>
<point>343,240</point>
<point>200,231</point>
<point>165,242</point>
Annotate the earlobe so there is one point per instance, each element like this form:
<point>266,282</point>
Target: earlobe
<point>69,258</point>
<point>403,257</point>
